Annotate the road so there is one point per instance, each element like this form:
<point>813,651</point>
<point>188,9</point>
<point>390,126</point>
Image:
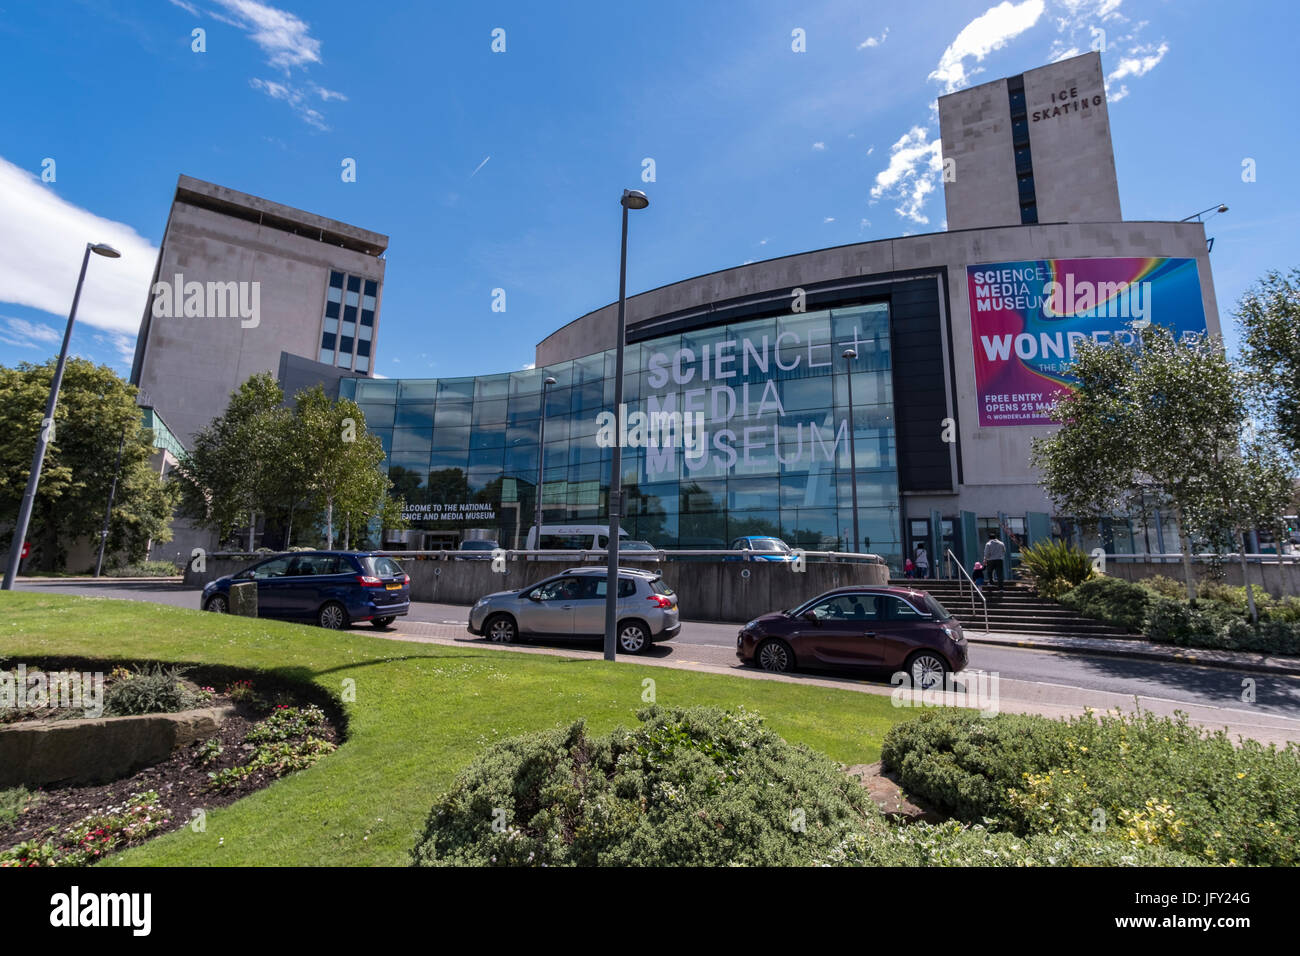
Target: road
<point>1031,680</point>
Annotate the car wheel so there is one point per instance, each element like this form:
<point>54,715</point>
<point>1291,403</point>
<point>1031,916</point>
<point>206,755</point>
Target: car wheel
<point>333,616</point>
<point>775,656</point>
<point>382,622</point>
<point>632,637</point>
<point>501,629</point>
<point>217,604</point>
<point>927,669</point>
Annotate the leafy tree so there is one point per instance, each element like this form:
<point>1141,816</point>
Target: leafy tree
<point>96,413</point>
<point>234,468</point>
<point>1268,316</point>
<point>1157,426</point>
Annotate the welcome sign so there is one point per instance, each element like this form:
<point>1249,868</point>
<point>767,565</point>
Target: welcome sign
<point>1028,318</point>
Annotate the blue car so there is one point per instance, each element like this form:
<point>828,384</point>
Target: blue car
<point>758,547</point>
<point>332,588</point>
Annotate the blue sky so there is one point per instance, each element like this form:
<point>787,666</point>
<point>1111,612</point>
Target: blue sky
<point>504,170</point>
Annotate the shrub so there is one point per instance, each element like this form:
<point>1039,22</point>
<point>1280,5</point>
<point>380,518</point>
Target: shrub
<point>1287,609</point>
<point>1139,780</point>
<point>1054,589</point>
<point>1053,561</point>
<point>154,690</point>
<point>1177,622</point>
<point>955,844</point>
<point>143,569</point>
<point>1165,586</point>
<point>688,787</point>
<point>1113,600</point>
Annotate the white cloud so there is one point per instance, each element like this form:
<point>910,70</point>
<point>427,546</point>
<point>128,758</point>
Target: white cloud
<point>24,334</point>
<point>123,344</point>
<point>287,42</point>
<point>295,97</point>
<point>189,8</point>
<point>915,162</point>
<point>819,146</point>
<point>1141,62</point>
<point>988,32</point>
<point>828,219</point>
<point>285,39</point>
<point>41,248</point>
<point>873,41</point>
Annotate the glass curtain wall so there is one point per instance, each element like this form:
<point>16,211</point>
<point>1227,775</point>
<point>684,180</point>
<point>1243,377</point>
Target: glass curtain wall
<point>769,397</point>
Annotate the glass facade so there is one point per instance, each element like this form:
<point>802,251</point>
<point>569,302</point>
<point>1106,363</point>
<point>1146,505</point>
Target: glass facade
<point>774,396</point>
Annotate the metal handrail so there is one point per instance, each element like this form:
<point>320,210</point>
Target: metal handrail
<point>566,553</point>
<point>974,590</point>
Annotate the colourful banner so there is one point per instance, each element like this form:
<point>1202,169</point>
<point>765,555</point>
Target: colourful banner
<point>1027,319</point>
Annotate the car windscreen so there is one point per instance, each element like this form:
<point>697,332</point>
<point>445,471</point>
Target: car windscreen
<point>768,544</point>
<point>635,546</point>
<point>938,610</point>
<point>478,545</point>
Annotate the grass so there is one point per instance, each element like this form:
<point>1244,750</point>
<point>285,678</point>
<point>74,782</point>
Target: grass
<point>422,712</point>
<point>13,801</point>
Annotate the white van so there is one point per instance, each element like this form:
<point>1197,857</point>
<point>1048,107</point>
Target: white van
<point>572,537</point>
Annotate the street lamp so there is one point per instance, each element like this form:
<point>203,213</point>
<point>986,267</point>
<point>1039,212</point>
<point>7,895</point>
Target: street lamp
<point>541,463</point>
<point>1214,210</point>
<point>632,199</point>
<point>47,423</point>
<point>849,356</point>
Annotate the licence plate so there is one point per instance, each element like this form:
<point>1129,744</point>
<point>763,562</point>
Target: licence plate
<point>392,587</point>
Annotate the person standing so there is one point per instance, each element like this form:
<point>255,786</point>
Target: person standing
<point>922,562</point>
<point>995,553</point>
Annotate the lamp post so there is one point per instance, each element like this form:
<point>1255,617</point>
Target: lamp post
<point>632,199</point>
<point>849,356</point>
<point>541,464</point>
<point>45,435</point>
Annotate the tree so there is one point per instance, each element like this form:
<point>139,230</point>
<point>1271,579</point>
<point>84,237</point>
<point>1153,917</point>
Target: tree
<point>1268,316</point>
<point>234,468</point>
<point>1159,426</point>
<point>96,413</point>
<point>342,462</point>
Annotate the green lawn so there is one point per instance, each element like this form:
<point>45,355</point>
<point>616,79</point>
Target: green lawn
<point>422,712</point>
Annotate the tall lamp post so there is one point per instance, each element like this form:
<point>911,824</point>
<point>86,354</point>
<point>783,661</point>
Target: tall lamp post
<point>632,199</point>
<point>541,464</point>
<point>849,356</point>
<point>47,423</point>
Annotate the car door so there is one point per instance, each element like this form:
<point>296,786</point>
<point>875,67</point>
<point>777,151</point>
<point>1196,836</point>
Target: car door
<point>272,587</point>
<point>550,606</point>
<point>899,631</point>
<point>843,634</point>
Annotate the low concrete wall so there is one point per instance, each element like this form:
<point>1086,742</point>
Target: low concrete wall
<point>68,752</point>
<point>709,590</point>
<point>1276,579</point>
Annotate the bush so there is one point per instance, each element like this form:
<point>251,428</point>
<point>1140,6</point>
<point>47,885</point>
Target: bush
<point>1287,609</point>
<point>1056,565</point>
<point>1113,600</point>
<point>1165,586</point>
<point>151,691</point>
<point>955,844</point>
<point>143,569</point>
<point>1136,780</point>
<point>688,787</point>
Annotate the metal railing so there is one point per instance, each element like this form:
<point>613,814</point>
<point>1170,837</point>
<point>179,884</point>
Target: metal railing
<point>1201,557</point>
<point>583,554</point>
<point>974,588</point>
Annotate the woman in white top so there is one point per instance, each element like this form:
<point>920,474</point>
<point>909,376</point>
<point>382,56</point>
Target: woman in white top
<point>922,563</point>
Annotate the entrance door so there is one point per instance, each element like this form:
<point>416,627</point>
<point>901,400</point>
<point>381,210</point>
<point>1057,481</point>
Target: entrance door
<point>918,536</point>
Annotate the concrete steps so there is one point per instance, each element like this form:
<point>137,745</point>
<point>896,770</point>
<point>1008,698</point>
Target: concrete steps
<point>1014,611</point>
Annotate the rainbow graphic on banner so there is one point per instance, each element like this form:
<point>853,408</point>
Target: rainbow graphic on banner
<point>1027,318</point>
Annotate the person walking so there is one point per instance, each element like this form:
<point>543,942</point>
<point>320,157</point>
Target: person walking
<point>995,553</point>
<point>977,576</point>
<point>922,562</point>
<point>909,569</point>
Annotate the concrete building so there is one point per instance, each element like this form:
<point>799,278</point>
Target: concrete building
<point>1030,148</point>
<point>240,280</point>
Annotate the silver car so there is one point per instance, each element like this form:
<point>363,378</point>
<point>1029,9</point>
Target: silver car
<point>572,604</point>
